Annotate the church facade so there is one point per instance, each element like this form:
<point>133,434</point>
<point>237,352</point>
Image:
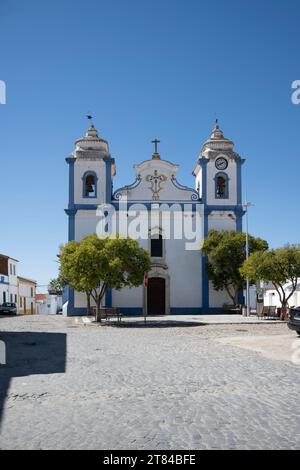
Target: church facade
<point>168,219</point>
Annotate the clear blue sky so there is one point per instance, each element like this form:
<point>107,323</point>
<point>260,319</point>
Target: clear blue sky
<point>145,69</point>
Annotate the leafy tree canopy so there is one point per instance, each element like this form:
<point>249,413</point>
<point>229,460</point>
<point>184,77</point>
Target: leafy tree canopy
<point>95,264</point>
<point>56,285</point>
<point>226,254</point>
<point>280,266</point>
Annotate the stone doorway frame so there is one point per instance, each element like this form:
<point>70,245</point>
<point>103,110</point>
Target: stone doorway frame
<point>158,271</point>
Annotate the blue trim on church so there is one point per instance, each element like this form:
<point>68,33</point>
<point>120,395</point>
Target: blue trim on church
<point>108,298</point>
<point>71,161</point>
<point>203,163</point>
<point>108,182</point>
<point>239,164</point>
<point>205,281</point>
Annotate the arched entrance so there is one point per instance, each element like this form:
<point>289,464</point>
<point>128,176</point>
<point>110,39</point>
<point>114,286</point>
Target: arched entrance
<point>156,296</point>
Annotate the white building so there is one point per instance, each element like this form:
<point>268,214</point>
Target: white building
<point>48,304</point>
<point>271,297</point>
<point>8,279</point>
<point>177,283</point>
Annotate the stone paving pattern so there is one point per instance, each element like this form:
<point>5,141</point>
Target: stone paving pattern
<point>151,388</point>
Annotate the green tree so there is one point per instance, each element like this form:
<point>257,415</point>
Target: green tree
<point>56,285</point>
<point>71,267</point>
<point>96,264</point>
<point>226,254</point>
<point>280,266</point>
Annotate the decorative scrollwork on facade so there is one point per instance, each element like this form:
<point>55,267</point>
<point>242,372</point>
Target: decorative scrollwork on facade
<point>155,181</point>
<point>194,195</point>
<point>120,192</point>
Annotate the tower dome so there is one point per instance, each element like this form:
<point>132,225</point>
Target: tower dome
<point>217,141</point>
<point>92,142</point>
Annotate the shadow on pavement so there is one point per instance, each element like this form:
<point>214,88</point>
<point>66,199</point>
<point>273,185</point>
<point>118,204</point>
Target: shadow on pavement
<point>30,353</point>
<point>154,324</point>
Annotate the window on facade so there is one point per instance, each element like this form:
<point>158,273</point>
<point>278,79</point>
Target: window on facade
<point>157,246</point>
<point>21,303</point>
<point>16,298</point>
<point>31,291</point>
<point>14,267</point>
<point>4,297</point>
<point>10,269</point>
<point>221,187</point>
<point>90,186</point>
<point>11,298</point>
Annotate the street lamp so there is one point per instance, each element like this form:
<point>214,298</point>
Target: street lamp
<point>245,207</point>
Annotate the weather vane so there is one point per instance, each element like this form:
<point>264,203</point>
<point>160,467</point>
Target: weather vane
<point>89,117</point>
<point>216,120</point>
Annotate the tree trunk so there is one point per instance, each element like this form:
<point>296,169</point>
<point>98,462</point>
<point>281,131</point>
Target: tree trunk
<point>232,296</point>
<point>88,300</point>
<point>98,306</point>
<point>98,298</point>
<point>236,296</point>
<point>98,303</point>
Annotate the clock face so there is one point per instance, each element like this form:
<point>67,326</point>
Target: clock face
<point>221,163</point>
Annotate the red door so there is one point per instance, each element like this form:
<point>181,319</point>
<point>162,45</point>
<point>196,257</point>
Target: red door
<point>156,296</point>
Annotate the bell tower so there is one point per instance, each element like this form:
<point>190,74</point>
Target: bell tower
<point>219,178</point>
<point>91,169</point>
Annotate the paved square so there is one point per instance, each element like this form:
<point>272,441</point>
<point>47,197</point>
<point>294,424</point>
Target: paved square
<point>134,387</point>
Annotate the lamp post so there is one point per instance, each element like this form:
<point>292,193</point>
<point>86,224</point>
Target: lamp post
<point>245,207</point>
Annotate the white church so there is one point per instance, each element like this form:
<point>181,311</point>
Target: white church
<point>177,282</point>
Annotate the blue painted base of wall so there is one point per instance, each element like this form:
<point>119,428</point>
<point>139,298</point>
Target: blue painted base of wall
<point>132,311</point>
<point>196,311</point>
<point>185,311</point>
<point>137,311</point>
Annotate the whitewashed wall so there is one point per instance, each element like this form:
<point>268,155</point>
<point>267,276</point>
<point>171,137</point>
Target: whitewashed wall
<point>129,298</point>
<point>217,299</point>
<point>85,223</point>
<point>224,220</point>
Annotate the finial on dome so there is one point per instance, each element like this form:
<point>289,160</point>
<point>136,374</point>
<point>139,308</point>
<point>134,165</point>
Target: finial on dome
<point>92,132</point>
<point>217,134</point>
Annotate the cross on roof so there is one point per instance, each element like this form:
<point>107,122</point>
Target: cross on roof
<point>155,142</point>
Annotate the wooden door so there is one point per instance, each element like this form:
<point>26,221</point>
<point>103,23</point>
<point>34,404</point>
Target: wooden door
<point>156,296</point>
